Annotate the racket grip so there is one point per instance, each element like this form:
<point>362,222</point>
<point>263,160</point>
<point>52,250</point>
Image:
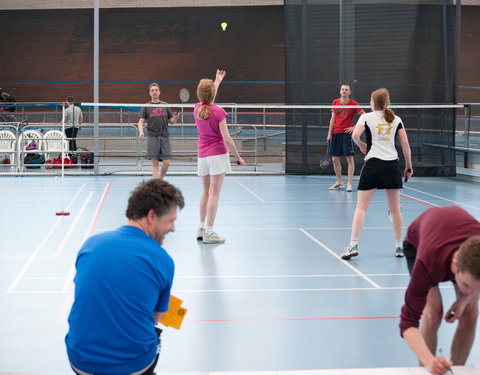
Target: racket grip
<point>409,171</point>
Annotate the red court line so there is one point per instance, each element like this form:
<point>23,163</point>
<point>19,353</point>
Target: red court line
<point>418,200</point>
<point>100,207</point>
<point>294,319</point>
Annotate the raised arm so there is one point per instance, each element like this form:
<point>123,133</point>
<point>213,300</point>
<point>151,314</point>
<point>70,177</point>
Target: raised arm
<point>218,79</point>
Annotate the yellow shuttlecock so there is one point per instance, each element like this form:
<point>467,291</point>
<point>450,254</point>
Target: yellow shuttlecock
<point>224,25</point>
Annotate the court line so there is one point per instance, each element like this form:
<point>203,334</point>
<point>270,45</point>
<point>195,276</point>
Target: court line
<point>418,200</point>
<point>442,198</point>
<point>40,246</point>
<point>282,276</point>
<point>73,225</point>
<point>93,223</point>
<point>251,192</point>
<point>348,264</point>
<point>68,300</point>
<point>293,319</point>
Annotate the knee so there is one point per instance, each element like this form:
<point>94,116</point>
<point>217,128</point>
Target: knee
<point>470,315</point>
<point>432,317</point>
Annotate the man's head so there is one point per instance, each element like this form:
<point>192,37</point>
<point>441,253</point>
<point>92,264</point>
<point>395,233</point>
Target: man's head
<point>154,91</point>
<point>153,204</point>
<point>70,100</point>
<point>345,90</point>
<point>467,275</point>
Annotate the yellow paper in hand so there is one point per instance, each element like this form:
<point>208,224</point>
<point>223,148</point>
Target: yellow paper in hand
<point>175,314</point>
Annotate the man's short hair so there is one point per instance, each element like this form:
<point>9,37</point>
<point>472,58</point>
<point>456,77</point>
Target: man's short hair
<point>153,194</point>
<point>153,84</point>
<point>70,99</point>
<point>469,257</point>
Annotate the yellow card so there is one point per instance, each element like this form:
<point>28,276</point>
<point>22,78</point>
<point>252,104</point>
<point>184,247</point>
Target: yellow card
<point>175,314</point>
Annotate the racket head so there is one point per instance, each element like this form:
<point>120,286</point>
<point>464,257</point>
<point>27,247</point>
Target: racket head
<point>325,161</point>
<point>184,95</point>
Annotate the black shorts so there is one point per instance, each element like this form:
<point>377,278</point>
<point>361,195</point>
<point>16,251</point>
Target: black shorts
<point>341,145</point>
<point>380,174</point>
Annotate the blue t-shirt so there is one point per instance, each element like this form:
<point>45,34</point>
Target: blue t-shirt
<point>122,278</point>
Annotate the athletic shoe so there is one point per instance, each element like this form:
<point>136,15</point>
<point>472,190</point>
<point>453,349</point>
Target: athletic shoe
<point>399,252</point>
<point>200,232</point>
<point>336,186</point>
<point>349,188</point>
<point>212,237</point>
<point>350,252</point>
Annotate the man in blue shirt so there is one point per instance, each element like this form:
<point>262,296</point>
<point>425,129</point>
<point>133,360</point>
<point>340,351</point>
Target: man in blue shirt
<point>122,287</point>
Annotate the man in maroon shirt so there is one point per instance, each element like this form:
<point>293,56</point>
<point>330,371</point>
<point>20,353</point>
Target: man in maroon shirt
<point>442,244</point>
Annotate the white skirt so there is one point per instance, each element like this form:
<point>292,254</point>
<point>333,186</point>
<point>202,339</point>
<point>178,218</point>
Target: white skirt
<point>213,165</point>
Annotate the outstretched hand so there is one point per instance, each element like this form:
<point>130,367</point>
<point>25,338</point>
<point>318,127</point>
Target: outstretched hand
<point>220,75</point>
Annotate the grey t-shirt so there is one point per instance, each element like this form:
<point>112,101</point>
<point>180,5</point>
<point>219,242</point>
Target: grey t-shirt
<point>72,116</point>
<point>157,119</point>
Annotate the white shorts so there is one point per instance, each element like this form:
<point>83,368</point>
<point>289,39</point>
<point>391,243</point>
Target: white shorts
<point>213,165</point>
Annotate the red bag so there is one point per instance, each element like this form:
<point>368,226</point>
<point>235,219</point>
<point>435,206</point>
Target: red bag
<point>66,162</point>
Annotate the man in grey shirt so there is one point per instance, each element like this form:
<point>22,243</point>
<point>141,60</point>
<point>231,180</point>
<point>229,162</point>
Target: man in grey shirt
<point>158,140</point>
<point>73,119</point>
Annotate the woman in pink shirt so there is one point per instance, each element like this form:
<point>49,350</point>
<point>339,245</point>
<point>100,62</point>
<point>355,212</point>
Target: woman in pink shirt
<point>214,142</point>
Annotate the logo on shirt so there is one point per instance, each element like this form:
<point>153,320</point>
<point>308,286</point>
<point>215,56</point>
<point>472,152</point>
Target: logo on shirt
<point>158,112</point>
<point>384,130</point>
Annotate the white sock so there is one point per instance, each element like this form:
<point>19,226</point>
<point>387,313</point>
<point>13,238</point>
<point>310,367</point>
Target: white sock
<point>398,244</point>
<point>202,225</point>
<point>353,243</point>
<point>208,229</point>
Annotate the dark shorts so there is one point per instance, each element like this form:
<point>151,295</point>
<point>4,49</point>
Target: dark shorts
<point>341,145</point>
<point>380,174</point>
<point>159,148</point>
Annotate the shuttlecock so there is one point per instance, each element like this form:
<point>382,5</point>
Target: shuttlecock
<point>224,25</point>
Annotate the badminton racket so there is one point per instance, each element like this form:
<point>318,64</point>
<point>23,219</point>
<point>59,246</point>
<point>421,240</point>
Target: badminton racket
<point>326,159</point>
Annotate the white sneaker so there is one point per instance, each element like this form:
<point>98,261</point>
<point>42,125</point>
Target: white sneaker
<point>336,186</point>
<point>349,188</point>
<point>200,232</point>
<point>212,237</point>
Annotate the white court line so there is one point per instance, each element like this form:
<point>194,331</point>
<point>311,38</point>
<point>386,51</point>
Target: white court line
<point>40,246</point>
<point>282,276</point>
<point>251,192</point>
<point>442,198</point>
<point>88,233</point>
<point>418,200</point>
<point>354,269</point>
<point>73,225</point>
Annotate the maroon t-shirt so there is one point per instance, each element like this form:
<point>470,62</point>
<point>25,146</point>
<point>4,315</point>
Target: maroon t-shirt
<point>436,234</point>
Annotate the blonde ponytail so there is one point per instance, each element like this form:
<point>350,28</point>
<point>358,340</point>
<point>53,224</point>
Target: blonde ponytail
<point>381,99</point>
<point>206,94</point>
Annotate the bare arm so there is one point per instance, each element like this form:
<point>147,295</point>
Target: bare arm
<point>330,127</point>
<point>357,132</point>
<point>435,365</point>
<point>220,75</point>
<point>229,142</point>
<point>402,134</point>
<point>173,120</point>
<point>349,130</point>
<point>141,121</point>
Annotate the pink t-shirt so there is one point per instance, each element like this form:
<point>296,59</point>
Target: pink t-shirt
<point>210,140</point>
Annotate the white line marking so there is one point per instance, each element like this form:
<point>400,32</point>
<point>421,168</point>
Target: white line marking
<point>40,246</point>
<point>251,192</point>
<point>346,263</point>
<point>415,199</point>
<point>73,225</point>
<point>88,233</point>
<point>442,198</point>
<point>282,276</point>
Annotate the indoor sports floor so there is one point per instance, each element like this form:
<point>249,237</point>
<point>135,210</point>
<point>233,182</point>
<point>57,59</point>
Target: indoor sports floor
<point>274,299</point>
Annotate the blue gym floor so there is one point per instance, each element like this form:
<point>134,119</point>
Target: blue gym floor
<point>275,297</point>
